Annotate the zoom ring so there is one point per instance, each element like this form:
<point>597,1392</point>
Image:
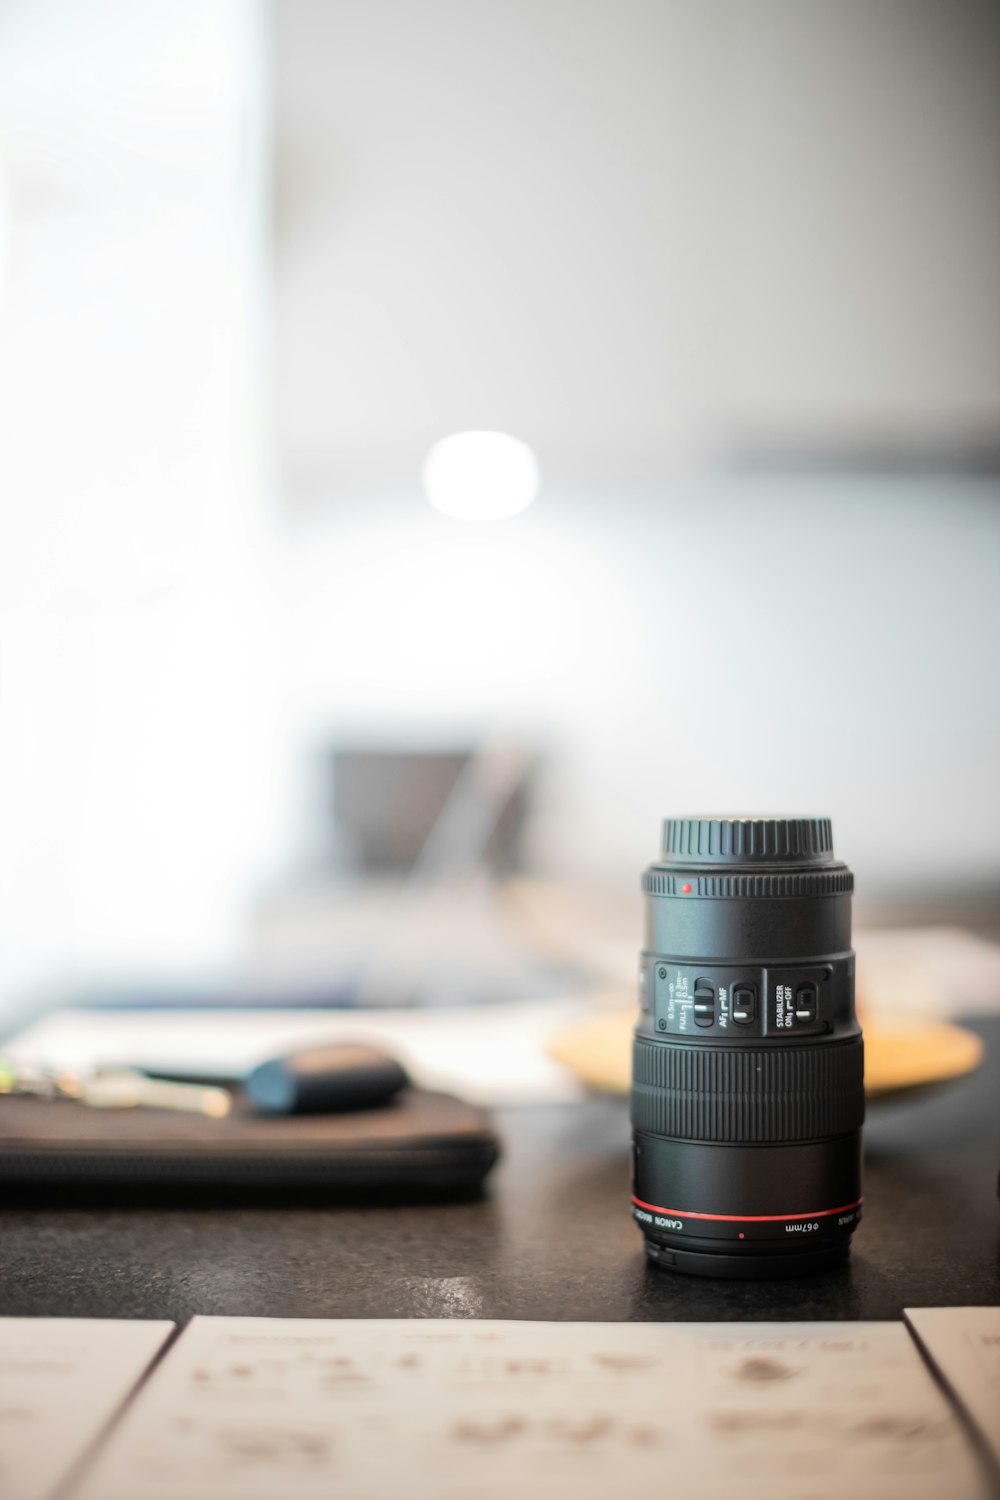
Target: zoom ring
<point>747,1097</point>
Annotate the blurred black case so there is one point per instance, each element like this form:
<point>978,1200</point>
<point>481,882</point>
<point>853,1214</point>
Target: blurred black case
<point>419,1143</point>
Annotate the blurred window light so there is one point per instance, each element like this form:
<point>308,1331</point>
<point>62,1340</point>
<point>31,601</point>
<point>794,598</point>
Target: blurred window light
<point>481,476</point>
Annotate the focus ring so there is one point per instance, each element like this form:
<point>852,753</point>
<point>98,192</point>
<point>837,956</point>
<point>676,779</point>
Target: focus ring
<point>747,1097</point>
<point>792,883</point>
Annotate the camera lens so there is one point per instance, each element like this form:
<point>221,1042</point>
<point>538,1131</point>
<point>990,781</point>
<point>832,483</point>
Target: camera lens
<point>747,1068</point>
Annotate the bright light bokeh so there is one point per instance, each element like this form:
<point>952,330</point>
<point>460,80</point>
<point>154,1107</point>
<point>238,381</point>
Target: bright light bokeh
<point>481,476</point>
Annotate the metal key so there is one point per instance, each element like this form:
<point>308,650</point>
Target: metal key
<point>114,1088</point>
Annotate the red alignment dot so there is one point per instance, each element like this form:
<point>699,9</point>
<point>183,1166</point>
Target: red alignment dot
<point>685,890</point>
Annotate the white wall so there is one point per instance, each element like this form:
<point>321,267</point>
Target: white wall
<point>636,232</point>
<point>137,750</point>
<point>505,214</point>
<point>817,645</point>
<point>642,234</point>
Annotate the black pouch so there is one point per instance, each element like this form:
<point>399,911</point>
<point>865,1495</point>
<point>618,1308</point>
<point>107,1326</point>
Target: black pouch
<point>420,1143</point>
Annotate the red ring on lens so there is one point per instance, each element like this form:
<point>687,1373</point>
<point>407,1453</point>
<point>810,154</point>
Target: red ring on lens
<point>679,1213</point>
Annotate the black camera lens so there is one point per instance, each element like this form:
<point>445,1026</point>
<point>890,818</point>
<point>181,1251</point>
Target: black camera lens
<point>748,1065</point>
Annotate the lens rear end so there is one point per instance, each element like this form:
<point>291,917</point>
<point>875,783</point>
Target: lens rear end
<point>747,1092</point>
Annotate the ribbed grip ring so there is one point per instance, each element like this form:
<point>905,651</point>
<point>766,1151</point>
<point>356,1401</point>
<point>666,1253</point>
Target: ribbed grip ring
<point>747,840</point>
<point>821,882</point>
<point>748,1097</point>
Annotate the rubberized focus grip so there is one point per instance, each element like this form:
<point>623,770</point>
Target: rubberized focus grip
<point>748,1096</point>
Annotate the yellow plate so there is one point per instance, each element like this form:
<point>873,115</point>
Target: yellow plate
<point>899,1055</point>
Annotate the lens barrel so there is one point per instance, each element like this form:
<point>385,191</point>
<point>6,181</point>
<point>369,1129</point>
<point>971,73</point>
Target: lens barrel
<point>748,1067</point>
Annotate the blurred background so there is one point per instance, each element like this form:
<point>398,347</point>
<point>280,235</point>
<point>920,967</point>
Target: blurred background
<point>284,708</point>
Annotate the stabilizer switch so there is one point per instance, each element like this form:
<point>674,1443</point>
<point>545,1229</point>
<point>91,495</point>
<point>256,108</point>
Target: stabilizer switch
<point>806,999</point>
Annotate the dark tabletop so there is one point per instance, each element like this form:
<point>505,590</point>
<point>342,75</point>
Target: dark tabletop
<point>550,1238</point>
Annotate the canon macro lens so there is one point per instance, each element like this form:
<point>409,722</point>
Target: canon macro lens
<point>747,1068</point>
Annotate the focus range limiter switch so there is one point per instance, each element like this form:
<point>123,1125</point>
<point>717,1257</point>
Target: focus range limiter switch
<point>704,1003</point>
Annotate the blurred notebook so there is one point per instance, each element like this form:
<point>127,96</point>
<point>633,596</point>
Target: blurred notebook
<point>62,1380</point>
<point>963,1345</point>
<point>464,1409</point>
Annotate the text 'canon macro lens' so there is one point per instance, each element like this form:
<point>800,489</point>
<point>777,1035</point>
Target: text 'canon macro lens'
<point>747,1069</point>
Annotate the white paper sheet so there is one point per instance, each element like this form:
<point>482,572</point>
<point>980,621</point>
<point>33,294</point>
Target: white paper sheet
<point>490,1054</point>
<point>453,1410</point>
<point>61,1381</point>
<point>963,1343</point>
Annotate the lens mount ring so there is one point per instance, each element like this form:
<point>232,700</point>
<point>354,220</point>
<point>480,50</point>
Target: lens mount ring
<point>747,840</point>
